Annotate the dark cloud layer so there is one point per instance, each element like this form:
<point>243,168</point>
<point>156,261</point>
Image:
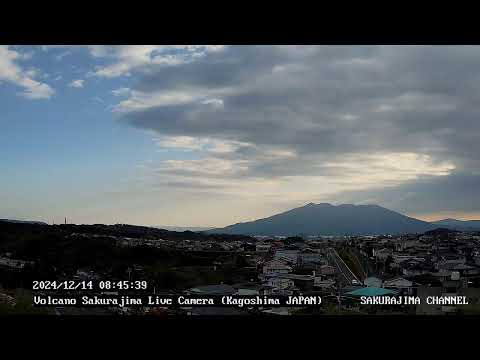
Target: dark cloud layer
<point>455,193</point>
<point>327,102</point>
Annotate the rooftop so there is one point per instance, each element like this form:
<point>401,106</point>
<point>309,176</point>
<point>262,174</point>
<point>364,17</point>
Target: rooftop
<point>220,289</point>
<point>371,291</point>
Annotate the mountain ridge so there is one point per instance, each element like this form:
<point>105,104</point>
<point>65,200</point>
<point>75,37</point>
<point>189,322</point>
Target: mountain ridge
<point>465,225</point>
<point>328,219</point>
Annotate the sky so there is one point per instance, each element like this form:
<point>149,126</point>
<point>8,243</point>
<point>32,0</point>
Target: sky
<point>211,135</point>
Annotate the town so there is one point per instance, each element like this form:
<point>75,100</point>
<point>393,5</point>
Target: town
<point>341,270</point>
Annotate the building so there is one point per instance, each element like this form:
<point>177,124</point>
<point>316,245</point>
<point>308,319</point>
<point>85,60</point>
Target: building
<point>15,263</point>
<point>373,281</point>
<point>276,267</point>
<point>263,247</point>
<point>323,284</point>
<point>382,254</point>
<point>401,284</point>
<point>278,286</point>
<point>212,290</point>
<point>247,289</point>
<point>7,299</point>
<point>327,270</point>
<point>371,291</point>
<point>291,256</point>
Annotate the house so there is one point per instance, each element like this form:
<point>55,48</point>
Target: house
<point>382,254</point>
<point>278,286</point>
<point>311,261</point>
<point>466,270</point>
<point>291,256</point>
<point>247,289</point>
<point>323,284</point>
<point>280,282</point>
<point>454,258</point>
<point>263,247</point>
<point>308,256</point>
<point>443,275</point>
<point>414,267</point>
<point>303,282</point>
<point>15,263</point>
<point>401,284</point>
<point>426,238</point>
<point>398,283</point>
<point>327,270</point>
<point>372,281</point>
<point>84,274</point>
<point>449,262</point>
<point>398,258</point>
<point>278,311</point>
<point>7,299</point>
<point>276,267</point>
<point>214,310</point>
<point>451,286</point>
<point>407,244</point>
<point>248,246</point>
<point>253,260</point>
<point>212,290</point>
<point>476,259</point>
<point>427,279</point>
<point>371,291</point>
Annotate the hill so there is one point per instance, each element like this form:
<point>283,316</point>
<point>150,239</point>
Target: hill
<point>184,228</point>
<point>23,222</point>
<point>468,225</point>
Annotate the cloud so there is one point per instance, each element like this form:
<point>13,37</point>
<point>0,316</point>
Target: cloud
<point>216,103</point>
<point>12,72</point>
<point>456,193</point>
<point>76,83</point>
<point>60,56</point>
<point>128,58</point>
<point>336,118</point>
<point>139,100</point>
<point>124,91</point>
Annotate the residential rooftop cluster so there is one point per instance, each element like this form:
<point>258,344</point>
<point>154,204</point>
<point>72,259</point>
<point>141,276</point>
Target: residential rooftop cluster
<point>340,269</point>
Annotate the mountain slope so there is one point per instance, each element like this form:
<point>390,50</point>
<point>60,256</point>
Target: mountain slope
<point>327,219</point>
<point>472,225</point>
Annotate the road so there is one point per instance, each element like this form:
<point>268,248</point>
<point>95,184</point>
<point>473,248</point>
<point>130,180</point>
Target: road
<point>346,275</point>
